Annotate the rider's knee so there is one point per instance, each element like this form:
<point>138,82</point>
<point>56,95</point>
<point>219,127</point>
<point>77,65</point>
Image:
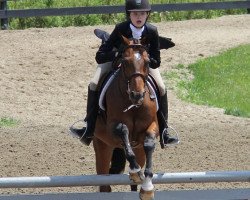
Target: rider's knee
<point>162,89</point>
<point>105,67</point>
<point>102,69</point>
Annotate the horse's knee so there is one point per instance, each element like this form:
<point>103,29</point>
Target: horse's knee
<point>121,130</point>
<point>149,144</point>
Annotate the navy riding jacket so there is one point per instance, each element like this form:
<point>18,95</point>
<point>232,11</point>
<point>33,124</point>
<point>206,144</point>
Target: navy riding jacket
<point>106,51</point>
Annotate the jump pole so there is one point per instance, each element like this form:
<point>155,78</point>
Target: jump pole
<point>123,179</point>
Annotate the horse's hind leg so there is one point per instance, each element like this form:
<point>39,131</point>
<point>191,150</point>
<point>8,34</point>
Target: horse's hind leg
<point>147,188</point>
<point>118,161</point>
<point>103,154</point>
<point>133,188</point>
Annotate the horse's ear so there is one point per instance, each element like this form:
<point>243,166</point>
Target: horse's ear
<point>125,40</point>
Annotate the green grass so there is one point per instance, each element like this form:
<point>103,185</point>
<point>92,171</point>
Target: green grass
<point>222,81</point>
<point>83,20</point>
<point>8,122</point>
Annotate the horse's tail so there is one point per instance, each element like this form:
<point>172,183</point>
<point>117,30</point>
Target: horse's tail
<point>118,161</point>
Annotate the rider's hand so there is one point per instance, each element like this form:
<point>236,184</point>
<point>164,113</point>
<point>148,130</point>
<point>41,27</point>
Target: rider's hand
<point>153,63</point>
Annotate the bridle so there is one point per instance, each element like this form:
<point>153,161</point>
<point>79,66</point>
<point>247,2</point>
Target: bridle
<point>133,95</point>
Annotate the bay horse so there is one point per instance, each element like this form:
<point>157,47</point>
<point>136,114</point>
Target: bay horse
<point>129,123</point>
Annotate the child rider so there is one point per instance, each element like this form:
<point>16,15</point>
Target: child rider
<point>136,27</point>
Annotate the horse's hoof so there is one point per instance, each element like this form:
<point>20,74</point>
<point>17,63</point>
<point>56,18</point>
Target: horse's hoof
<point>146,195</point>
<point>136,177</point>
<point>105,188</point>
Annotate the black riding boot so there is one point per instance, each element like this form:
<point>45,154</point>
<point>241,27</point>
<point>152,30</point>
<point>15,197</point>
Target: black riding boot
<point>86,133</point>
<point>162,114</point>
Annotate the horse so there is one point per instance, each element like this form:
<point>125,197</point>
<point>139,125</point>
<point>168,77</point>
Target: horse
<point>127,129</point>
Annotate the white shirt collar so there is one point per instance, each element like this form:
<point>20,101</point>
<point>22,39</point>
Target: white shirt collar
<point>136,32</point>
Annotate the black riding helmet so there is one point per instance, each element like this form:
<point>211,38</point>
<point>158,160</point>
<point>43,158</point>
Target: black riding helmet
<point>137,5</point>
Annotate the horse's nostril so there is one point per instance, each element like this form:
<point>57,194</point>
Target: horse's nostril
<point>137,96</point>
<point>133,94</point>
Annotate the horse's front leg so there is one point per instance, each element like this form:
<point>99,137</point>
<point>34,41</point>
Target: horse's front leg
<point>136,173</point>
<point>147,188</point>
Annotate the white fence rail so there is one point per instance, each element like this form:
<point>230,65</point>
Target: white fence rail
<point>97,180</point>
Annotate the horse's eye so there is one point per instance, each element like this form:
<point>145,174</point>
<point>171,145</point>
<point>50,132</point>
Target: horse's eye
<point>125,60</point>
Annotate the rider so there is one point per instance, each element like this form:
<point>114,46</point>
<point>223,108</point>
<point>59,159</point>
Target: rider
<point>136,27</point>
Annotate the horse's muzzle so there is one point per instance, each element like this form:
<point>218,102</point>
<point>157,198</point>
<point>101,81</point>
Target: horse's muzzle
<point>137,97</point>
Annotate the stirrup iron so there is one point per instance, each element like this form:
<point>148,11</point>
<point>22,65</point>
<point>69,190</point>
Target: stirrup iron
<point>73,126</point>
<point>175,135</point>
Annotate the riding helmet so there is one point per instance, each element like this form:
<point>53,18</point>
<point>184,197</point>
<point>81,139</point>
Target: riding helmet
<point>137,5</point>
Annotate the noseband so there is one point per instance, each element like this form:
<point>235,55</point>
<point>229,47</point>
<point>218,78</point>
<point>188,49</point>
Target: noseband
<point>144,78</point>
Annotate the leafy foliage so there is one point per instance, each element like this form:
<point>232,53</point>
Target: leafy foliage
<point>83,20</point>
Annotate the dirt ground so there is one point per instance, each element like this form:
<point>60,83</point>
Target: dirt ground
<point>43,84</point>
